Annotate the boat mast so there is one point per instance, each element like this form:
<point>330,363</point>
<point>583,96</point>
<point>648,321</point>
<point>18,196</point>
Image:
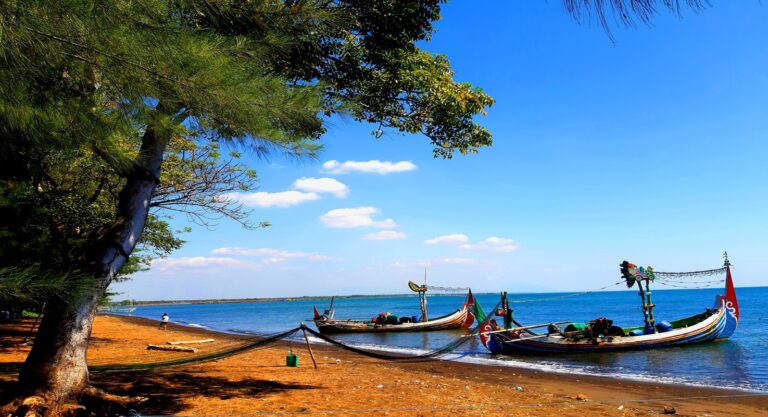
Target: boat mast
<point>423,298</point>
<point>506,310</point>
<point>330,311</point>
<point>631,273</point>
<point>650,322</point>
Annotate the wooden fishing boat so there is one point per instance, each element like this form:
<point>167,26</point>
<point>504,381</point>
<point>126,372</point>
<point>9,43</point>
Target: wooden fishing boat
<point>461,318</point>
<point>716,323</point>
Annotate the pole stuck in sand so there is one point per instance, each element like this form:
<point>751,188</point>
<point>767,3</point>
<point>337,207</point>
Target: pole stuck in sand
<point>309,348</point>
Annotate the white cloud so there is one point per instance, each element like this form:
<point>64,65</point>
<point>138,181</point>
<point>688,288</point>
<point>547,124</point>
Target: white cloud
<point>355,217</point>
<point>196,262</point>
<point>495,244</point>
<point>322,185</point>
<point>385,235</point>
<point>280,199</point>
<point>269,255</point>
<point>456,261</point>
<point>506,248</point>
<point>424,263</point>
<point>455,238</point>
<point>373,167</point>
<point>493,240</point>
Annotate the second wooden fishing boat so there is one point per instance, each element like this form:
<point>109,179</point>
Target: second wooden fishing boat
<point>461,318</point>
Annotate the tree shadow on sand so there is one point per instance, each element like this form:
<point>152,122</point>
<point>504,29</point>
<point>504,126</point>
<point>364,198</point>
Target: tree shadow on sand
<point>166,390</point>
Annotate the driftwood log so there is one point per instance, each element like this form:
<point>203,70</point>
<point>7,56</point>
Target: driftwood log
<point>190,342</point>
<point>171,347</point>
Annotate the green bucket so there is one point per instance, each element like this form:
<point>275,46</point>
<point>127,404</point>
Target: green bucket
<point>292,360</point>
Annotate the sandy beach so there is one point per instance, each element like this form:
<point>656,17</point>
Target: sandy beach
<point>257,382</point>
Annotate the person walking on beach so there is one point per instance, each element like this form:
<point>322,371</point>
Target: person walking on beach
<point>164,321</point>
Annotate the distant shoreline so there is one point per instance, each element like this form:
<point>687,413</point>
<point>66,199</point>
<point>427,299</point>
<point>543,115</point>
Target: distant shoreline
<point>327,297</point>
<point>266,300</point>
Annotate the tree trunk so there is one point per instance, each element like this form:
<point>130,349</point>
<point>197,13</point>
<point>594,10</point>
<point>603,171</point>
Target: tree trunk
<point>56,367</point>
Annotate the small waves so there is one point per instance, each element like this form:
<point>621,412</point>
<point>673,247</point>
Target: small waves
<point>740,363</point>
<point>550,367</point>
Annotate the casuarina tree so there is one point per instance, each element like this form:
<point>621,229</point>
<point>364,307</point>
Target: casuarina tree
<point>95,92</point>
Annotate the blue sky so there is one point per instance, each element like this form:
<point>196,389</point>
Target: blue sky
<point>650,149</point>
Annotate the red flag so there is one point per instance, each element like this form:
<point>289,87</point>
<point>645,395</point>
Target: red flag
<point>470,306</point>
<point>317,314</point>
<point>731,303</point>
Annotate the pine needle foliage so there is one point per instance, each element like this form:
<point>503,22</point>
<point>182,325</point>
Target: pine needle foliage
<point>85,81</point>
<point>31,287</point>
<point>628,13</point>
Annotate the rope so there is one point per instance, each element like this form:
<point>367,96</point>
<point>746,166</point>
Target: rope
<point>681,281</point>
<point>692,273</point>
<point>414,358</point>
<point>378,355</point>
<point>687,286</point>
<point>533,300</point>
<point>203,358</point>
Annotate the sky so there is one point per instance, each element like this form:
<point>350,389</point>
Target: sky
<point>650,148</point>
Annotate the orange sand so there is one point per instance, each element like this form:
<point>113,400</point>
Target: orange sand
<point>258,382</point>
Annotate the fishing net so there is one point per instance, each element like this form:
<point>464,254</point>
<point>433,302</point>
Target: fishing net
<point>246,346</point>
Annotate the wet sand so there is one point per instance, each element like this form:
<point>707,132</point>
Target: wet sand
<point>257,382</point>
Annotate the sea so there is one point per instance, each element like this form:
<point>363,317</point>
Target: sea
<point>740,363</point>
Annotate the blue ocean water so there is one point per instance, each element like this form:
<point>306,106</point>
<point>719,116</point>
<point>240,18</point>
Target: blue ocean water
<point>738,363</point>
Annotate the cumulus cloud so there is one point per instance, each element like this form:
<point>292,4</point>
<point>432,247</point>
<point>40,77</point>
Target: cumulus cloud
<point>493,240</point>
<point>372,167</point>
<point>279,199</point>
<point>424,263</point>
<point>269,255</point>
<point>355,217</point>
<point>305,189</point>
<point>457,261</point>
<point>385,235</point>
<point>495,244</point>
<point>196,262</point>
<point>455,238</point>
<point>321,186</point>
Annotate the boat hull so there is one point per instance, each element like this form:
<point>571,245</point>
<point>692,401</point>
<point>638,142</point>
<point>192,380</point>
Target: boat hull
<point>460,318</point>
<point>717,323</point>
<point>707,330</point>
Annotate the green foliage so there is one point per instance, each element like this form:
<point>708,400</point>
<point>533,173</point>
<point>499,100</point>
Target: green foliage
<point>84,81</point>
<point>627,13</point>
<point>32,286</point>
<point>362,54</point>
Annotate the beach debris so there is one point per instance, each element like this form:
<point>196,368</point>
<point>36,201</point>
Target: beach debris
<point>582,397</point>
<point>191,342</point>
<point>380,386</point>
<point>519,388</point>
<point>621,407</point>
<point>171,347</point>
<point>668,409</point>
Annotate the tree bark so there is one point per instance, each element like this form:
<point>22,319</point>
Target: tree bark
<point>56,367</point>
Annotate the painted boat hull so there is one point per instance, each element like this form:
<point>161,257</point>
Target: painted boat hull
<point>459,319</point>
<point>719,323</point>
